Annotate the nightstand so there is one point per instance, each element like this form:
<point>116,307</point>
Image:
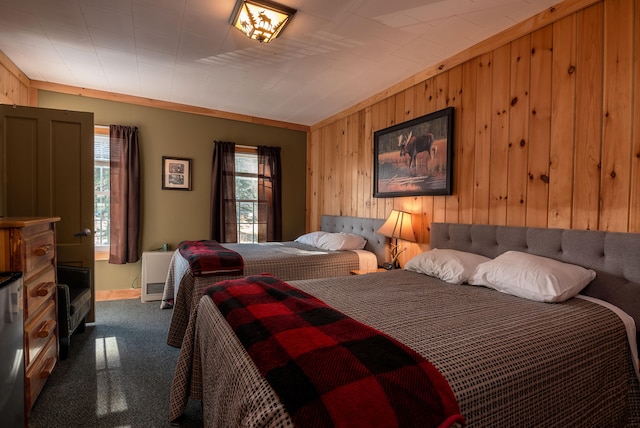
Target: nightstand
<point>364,271</point>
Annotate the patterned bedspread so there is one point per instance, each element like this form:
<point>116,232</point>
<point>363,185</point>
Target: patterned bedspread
<point>286,260</point>
<point>327,368</point>
<point>510,362</point>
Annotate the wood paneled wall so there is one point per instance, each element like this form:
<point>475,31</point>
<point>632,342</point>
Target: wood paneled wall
<point>547,131</point>
<point>14,85</point>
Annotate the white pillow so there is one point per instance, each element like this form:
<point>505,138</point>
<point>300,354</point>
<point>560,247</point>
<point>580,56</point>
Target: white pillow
<point>532,277</point>
<point>341,241</point>
<point>451,266</point>
<point>310,238</point>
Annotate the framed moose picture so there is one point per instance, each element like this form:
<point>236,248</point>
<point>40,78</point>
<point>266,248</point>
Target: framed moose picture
<point>415,157</point>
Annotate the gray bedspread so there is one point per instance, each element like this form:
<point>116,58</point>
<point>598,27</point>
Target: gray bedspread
<point>510,362</point>
<point>286,260</point>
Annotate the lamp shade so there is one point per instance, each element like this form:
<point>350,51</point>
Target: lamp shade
<point>261,20</point>
<point>399,226</point>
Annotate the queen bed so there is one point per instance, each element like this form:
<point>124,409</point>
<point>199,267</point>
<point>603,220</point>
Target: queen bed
<point>293,260</point>
<point>508,360</point>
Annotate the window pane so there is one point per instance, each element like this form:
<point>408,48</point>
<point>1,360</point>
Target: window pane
<point>246,188</point>
<point>245,212</point>
<point>101,147</point>
<point>247,196</point>
<point>102,229</point>
<point>248,233</point>
<point>101,185</point>
<point>101,178</point>
<point>247,163</point>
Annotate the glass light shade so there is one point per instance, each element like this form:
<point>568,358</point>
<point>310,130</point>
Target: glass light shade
<point>261,20</point>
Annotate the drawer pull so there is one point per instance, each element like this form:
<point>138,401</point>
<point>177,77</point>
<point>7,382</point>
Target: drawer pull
<point>47,369</point>
<point>43,250</point>
<point>43,289</point>
<point>47,328</point>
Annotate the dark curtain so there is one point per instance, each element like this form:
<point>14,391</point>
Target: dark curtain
<point>269,194</point>
<point>223,225</point>
<point>125,194</point>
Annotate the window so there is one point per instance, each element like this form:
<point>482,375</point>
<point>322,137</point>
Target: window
<point>101,204</point>
<point>247,195</point>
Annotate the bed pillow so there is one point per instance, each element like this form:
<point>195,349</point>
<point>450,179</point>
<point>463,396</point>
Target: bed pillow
<point>532,277</point>
<point>341,241</point>
<point>452,266</point>
<point>310,238</point>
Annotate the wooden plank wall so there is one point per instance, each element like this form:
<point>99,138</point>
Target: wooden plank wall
<point>547,132</point>
<point>14,85</point>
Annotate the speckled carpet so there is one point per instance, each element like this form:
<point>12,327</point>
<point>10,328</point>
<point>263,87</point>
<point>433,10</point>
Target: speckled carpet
<point>118,373</point>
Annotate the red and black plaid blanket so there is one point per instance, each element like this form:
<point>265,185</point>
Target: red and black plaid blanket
<point>328,369</point>
<point>209,257</point>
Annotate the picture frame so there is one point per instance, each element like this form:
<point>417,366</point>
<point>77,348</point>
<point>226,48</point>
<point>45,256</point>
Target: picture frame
<point>176,173</point>
<point>415,158</point>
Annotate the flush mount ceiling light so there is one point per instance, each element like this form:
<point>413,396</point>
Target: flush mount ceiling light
<point>261,20</point>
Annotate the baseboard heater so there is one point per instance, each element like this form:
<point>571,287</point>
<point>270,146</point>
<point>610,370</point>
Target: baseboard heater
<point>155,267</point>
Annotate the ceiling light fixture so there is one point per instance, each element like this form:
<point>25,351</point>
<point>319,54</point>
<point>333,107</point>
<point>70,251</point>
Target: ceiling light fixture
<point>261,20</point>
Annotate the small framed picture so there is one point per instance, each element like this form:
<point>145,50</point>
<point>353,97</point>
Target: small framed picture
<point>176,173</point>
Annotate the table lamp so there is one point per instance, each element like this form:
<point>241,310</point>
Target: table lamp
<point>397,226</point>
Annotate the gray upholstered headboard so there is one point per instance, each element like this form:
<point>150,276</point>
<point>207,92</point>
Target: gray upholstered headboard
<point>366,227</point>
<point>614,256</point>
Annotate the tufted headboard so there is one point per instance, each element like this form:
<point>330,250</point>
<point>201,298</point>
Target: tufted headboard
<point>365,227</point>
<point>614,256</point>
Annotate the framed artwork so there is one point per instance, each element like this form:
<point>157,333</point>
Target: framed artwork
<point>176,173</point>
<point>414,158</point>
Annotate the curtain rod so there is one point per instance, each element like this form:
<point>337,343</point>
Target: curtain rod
<point>240,146</point>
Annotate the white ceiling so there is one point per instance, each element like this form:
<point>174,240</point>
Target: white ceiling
<point>333,54</point>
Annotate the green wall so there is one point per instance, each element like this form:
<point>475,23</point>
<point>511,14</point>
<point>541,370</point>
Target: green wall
<point>170,215</point>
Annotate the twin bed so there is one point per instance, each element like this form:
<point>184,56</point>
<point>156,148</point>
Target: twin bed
<point>508,360</point>
<point>286,260</point>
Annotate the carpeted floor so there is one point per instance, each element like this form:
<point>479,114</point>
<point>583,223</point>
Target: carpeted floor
<point>118,373</point>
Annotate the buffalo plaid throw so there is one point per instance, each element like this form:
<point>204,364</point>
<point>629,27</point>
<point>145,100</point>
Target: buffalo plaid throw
<point>328,369</point>
<point>209,257</point>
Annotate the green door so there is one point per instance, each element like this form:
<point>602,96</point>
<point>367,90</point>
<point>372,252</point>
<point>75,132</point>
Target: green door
<point>46,170</point>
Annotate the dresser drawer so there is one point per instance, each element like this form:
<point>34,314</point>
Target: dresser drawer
<point>39,290</point>
<point>40,370</point>
<point>39,330</point>
<point>40,252</point>
<point>28,245</point>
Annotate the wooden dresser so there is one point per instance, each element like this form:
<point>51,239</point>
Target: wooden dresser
<point>28,245</point>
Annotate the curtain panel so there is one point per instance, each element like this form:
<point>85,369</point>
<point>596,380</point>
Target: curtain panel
<point>223,224</point>
<point>269,194</point>
<point>125,194</point>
